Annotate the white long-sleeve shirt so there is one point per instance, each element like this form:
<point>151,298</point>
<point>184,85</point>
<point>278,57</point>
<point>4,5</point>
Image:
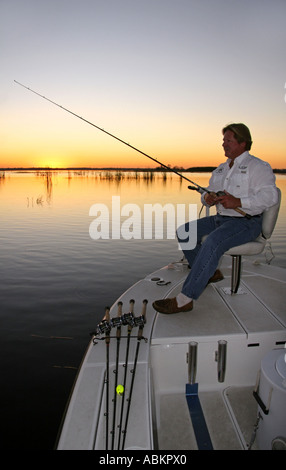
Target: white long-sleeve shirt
<point>250,179</point>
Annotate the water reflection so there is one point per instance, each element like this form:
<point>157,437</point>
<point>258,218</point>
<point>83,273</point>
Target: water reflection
<point>62,198</point>
<point>50,178</point>
<point>125,180</point>
<point>2,178</point>
<point>56,280</point>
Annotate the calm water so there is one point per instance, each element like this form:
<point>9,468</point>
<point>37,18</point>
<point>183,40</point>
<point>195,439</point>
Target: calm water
<point>56,281</point>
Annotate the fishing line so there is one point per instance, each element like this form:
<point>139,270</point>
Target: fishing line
<point>111,135</point>
<point>201,188</point>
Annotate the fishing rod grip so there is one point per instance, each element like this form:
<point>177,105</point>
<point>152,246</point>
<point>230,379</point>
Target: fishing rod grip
<point>194,188</point>
<point>243,213</point>
<point>119,314</point>
<point>131,304</point>
<point>107,314</point>
<point>106,320</point>
<point>144,308</point>
<point>143,317</point>
<point>119,311</point>
<point>237,209</point>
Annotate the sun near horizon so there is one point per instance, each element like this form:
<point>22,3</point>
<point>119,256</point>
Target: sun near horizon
<point>77,147</point>
<point>130,159</point>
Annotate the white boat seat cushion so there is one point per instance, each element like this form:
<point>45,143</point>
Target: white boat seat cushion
<point>250,248</point>
<point>268,223</point>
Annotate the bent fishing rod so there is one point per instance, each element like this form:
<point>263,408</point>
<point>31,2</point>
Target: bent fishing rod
<point>198,187</point>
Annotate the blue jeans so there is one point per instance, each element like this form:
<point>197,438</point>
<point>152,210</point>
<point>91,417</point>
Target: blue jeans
<point>223,233</point>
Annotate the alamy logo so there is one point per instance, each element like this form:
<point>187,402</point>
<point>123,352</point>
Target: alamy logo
<point>155,222</point>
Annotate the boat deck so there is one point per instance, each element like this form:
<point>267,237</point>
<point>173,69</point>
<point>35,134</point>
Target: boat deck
<point>251,322</point>
<point>257,308</point>
<point>230,418</point>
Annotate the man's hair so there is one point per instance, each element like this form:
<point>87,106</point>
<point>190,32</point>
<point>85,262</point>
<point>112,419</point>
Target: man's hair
<point>241,133</point>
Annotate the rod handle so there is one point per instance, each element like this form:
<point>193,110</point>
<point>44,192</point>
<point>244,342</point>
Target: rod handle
<point>237,209</point>
<point>243,213</point>
<point>107,314</point>
<point>119,311</point>
<point>131,305</point>
<point>144,308</point>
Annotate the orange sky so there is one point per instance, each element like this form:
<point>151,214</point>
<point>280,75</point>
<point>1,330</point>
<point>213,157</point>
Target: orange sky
<point>164,79</point>
<point>55,139</point>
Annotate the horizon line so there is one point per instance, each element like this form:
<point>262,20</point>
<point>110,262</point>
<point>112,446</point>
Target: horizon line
<point>206,168</point>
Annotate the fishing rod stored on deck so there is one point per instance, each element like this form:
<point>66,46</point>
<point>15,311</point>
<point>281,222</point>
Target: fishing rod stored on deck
<point>122,386</point>
<point>198,187</point>
<point>118,336</point>
<point>107,342</point>
<point>141,323</point>
<point>130,326</point>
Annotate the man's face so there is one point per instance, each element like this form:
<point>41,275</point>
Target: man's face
<point>232,148</point>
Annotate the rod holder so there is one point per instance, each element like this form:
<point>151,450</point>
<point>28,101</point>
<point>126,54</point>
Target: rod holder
<point>235,273</point>
<point>221,360</point>
<point>192,361</point>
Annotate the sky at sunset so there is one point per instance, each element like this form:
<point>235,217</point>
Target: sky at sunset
<point>163,75</point>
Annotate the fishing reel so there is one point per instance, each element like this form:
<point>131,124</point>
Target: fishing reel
<point>139,321</point>
<point>202,190</point>
<point>115,322</point>
<point>127,319</point>
<point>103,327</point>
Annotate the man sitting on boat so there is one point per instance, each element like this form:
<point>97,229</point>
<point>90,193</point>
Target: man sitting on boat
<point>248,186</point>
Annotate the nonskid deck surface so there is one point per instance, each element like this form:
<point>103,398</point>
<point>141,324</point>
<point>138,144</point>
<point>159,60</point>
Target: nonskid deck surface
<point>226,432</point>
<point>258,306</point>
<point>252,322</point>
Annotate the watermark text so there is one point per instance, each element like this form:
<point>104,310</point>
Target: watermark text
<point>153,222</point>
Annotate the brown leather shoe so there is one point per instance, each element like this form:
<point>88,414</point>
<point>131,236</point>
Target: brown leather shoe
<point>217,276</point>
<point>171,306</point>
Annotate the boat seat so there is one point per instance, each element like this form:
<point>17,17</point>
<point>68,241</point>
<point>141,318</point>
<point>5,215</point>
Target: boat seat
<point>255,247</point>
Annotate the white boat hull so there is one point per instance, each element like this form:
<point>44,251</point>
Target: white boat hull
<point>252,323</point>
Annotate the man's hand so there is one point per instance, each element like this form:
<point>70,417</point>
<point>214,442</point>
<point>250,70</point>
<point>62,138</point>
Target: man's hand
<point>211,199</point>
<point>228,201</point>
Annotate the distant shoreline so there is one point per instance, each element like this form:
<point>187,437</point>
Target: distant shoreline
<point>195,169</point>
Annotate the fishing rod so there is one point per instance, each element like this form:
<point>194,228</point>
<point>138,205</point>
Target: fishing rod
<point>104,328</point>
<point>129,331</point>
<point>141,322</point>
<point>111,135</point>
<point>200,188</point>
<point>106,319</point>
<point>116,322</point>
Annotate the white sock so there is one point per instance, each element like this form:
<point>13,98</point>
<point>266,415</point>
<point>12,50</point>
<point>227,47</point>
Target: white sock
<point>182,299</point>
